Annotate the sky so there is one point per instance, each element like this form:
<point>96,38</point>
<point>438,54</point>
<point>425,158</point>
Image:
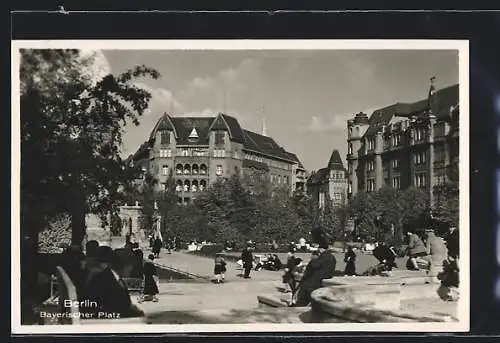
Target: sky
<point>306,97</point>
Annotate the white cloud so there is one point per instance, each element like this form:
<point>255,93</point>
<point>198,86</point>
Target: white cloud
<point>227,88</point>
<point>162,100</point>
<point>99,64</point>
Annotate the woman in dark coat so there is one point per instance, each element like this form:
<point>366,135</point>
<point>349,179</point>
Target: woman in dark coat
<point>350,262</point>
<point>150,291</point>
<point>157,247</point>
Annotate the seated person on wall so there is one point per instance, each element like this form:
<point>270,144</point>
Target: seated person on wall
<point>416,251</point>
<point>104,292</point>
<point>450,281</point>
<point>386,257</point>
<point>318,269</point>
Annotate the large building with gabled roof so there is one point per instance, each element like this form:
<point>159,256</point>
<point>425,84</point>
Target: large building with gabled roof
<point>405,144</point>
<point>197,151</point>
<point>329,183</point>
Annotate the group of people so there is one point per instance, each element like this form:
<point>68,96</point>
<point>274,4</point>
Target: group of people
<point>97,282</point>
<point>156,243</point>
<point>304,279</point>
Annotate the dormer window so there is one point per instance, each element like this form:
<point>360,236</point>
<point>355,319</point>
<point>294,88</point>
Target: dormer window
<point>165,137</point>
<point>220,138</point>
<point>193,136</point>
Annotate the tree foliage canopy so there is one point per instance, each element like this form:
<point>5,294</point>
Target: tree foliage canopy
<point>71,127</point>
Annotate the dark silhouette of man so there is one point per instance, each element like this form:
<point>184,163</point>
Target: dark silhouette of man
<point>137,261</point>
<point>318,269</point>
<point>247,259</point>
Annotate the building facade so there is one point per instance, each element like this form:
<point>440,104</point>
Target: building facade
<point>198,151</point>
<point>405,145</point>
<point>329,183</point>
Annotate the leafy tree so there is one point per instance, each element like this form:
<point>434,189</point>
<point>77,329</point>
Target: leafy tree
<point>384,213</point>
<point>446,206</point>
<point>71,131</point>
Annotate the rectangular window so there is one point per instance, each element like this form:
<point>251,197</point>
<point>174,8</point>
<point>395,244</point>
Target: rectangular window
<point>396,139</point>
<point>420,157</point>
<point>371,165</point>
<point>396,182</point>
<point>219,138</point>
<point>419,134</point>
<point>370,185</point>
<point>219,153</point>
<point>321,199</point>
<point>165,170</point>
<point>218,170</point>
<point>420,180</point>
<point>371,144</point>
<point>337,196</point>
<point>165,137</point>
<point>395,164</point>
<point>350,148</point>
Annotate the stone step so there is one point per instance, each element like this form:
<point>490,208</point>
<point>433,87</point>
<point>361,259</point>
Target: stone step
<point>227,316</point>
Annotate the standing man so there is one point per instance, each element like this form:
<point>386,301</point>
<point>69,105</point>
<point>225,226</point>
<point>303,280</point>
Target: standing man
<point>247,258</point>
<point>453,243</point>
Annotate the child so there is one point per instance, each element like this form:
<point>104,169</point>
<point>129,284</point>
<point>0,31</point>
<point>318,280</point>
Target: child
<point>219,268</point>
<point>350,260</point>
<point>150,291</point>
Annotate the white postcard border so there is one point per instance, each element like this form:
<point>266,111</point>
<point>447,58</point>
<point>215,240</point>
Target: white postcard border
<point>462,46</point>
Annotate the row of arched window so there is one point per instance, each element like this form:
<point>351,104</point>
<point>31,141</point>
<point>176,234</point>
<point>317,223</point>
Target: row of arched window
<point>191,185</point>
<point>194,169</point>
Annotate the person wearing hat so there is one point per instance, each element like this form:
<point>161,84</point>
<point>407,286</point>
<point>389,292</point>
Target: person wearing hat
<point>318,269</point>
<point>247,259</point>
<point>150,291</point>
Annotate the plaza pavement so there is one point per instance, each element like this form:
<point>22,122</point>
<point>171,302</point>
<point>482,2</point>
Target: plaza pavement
<point>235,301</point>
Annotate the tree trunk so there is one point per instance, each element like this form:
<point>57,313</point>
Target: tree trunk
<point>78,226</point>
<point>29,267</point>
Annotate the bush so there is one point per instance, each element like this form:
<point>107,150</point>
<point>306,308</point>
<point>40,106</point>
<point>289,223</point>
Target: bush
<point>56,236</point>
<point>210,250</point>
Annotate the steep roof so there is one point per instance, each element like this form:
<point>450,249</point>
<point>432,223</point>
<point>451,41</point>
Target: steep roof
<point>335,162</point>
<point>185,127</point>
<point>164,123</point>
<point>265,145</point>
<point>440,105</point>
<point>255,164</point>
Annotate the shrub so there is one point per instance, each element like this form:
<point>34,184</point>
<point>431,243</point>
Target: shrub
<point>56,236</point>
<point>211,250</point>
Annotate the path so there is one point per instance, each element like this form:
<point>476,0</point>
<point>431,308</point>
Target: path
<point>204,267</point>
